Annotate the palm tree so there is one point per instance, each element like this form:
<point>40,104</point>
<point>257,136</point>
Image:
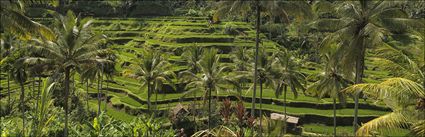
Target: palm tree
<point>20,76</point>
<point>152,70</point>
<point>109,71</point>
<point>211,78</point>
<point>241,58</point>
<point>273,9</point>
<point>74,47</point>
<point>406,98</point>
<point>15,22</point>
<point>330,83</point>
<point>93,72</point>
<point>288,76</point>
<point>266,75</point>
<point>192,55</point>
<point>86,75</point>
<point>6,50</point>
<point>361,24</point>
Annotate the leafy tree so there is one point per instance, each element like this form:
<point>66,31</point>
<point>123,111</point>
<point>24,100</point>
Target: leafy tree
<point>74,47</point>
<point>153,71</point>
<point>330,83</point>
<point>288,77</point>
<point>211,78</point>
<point>15,22</point>
<point>266,75</point>
<point>359,25</point>
<point>280,9</point>
<point>20,76</point>
<point>405,98</point>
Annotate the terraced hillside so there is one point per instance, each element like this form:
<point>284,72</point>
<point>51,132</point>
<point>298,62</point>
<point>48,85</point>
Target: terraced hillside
<point>171,34</point>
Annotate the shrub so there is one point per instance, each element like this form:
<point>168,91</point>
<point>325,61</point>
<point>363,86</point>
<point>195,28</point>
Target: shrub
<point>230,29</point>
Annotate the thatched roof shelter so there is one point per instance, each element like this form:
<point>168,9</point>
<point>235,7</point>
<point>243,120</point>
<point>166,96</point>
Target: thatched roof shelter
<point>289,119</point>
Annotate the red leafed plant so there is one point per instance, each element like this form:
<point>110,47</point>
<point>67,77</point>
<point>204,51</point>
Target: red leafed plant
<point>226,110</point>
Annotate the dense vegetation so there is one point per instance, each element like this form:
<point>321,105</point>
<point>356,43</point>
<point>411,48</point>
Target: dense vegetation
<point>212,68</point>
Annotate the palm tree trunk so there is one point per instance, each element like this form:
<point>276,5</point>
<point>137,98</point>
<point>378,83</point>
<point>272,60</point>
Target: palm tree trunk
<point>38,95</point>
<point>149,96</point>
<point>257,44</point>
<point>194,110</point>
<point>334,105</point>
<point>284,108</point>
<point>156,101</point>
<point>87,96</point>
<point>23,106</point>
<point>67,71</point>
<point>98,95</point>
<point>358,78</point>
<point>33,85</point>
<point>106,95</point>
<point>261,107</point>
<point>209,109</point>
<point>8,89</point>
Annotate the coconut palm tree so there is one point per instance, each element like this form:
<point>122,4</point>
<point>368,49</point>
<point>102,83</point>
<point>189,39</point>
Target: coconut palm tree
<point>330,83</point>
<point>273,9</point>
<point>192,55</point>
<point>211,78</point>
<point>93,72</point>
<point>289,77</point>
<point>7,48</point>
<point>20,76</point>
<point>241,58</point>
<point>406,99</point>
<point>74,47</point>
<point>359,25</point>
<point>15,22</point>
<point>267,74</point>
<point>109,71</point>
<point>87,75</point>
<point>152,70</point>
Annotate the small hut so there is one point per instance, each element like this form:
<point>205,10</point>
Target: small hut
<point>292,122</point>
<point>179,109</point>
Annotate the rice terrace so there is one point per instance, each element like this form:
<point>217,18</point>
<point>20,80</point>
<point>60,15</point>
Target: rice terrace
<point>204,68</point>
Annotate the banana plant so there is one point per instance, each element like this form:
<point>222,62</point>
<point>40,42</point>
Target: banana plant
<point>44,115</point>
<point>147,127</point>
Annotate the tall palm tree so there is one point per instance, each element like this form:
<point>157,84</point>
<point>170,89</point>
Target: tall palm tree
<point>20,76</point>
<point>211,78</point>
<point>406,99</point>
<point>15,22</point>
<point>93,72</point>
<point>267,74</point>
<point>152,70</point>
<point>74,47</point>
<point>87,74</point>
<point>288,76</point>
<point>330,83</point>
<point>7,48</point>
<point>192,55</point>
<point>109,71</point>
<point>359,25</point>
<point>275,8</point>
<point>241,58</point>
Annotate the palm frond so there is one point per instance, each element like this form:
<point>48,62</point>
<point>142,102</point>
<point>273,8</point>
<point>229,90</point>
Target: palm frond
<point>391,120</point>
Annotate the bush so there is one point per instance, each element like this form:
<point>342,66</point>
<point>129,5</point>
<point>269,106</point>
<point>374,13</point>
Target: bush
<point>230,29</point>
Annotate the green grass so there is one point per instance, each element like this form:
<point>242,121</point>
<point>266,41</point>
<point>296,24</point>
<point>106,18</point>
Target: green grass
<point>347,130</point>
<point>111,111</point>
